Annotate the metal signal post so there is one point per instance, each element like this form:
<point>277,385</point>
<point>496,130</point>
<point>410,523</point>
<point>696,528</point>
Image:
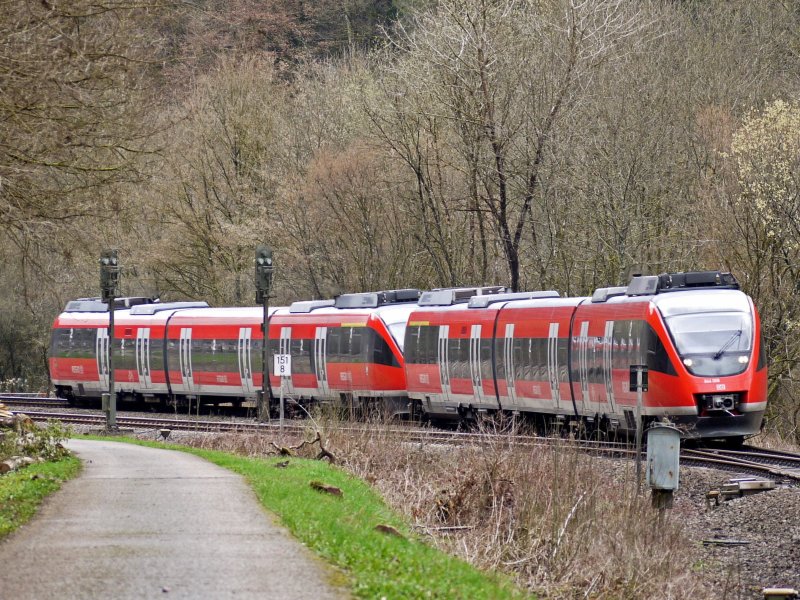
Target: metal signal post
<point>263,280</point>
<point>638,384</point>
<point>109,286</point>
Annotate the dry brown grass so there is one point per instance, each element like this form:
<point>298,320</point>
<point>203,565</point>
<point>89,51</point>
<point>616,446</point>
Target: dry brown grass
<point>565,524</point>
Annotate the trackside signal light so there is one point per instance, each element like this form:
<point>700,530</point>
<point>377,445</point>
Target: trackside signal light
<point>263,273</point>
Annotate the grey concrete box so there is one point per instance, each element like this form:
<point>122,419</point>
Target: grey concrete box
<point>663,457</point>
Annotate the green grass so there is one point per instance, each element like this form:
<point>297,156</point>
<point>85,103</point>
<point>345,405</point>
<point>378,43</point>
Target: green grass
<point>342,531</point>
<point>21,492</point>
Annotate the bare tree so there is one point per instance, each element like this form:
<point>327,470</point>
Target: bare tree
<point>208,213</point>
<point>496,76</point>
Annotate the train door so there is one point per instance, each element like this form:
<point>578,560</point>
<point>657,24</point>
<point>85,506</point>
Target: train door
<point>508,360</point>
<point>583,364</point>
<point>552,364</point>
<point>245,359</point>
<point>143,357</point>
<point>444,362</point>
<point>185,354</point>
<point>475,363</point>
<point>320,359</point>
<point>608,365</point>
<point>285,347</point>
<point>101,347</point>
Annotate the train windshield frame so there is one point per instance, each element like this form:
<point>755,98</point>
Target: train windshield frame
<point>713,343</point>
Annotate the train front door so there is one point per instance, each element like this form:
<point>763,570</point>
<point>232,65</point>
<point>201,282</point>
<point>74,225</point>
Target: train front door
<point>245,359</point>
<point>143,357</point>
<point>444,362</point>
<point>508,361</point>
<point>608,365</point>
<point>285,347</point>
<point>320,360</point>
<point>552,364</point>
<point>185,357</point>
<point>101,351</point>
<point>475,366</point>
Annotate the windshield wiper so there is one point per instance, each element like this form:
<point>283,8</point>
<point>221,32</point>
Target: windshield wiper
<point>727,344</point>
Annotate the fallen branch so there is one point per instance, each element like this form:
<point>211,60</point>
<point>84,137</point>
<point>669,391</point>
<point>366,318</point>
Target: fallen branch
<point>328,489</point>
<point>291,450</point>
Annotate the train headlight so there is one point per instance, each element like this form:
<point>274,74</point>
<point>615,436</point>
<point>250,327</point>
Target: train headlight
<point>743,360</point>
<point>688,362</point>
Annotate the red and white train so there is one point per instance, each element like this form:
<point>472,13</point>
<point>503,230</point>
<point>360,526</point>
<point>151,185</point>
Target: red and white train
<point>450,354</point>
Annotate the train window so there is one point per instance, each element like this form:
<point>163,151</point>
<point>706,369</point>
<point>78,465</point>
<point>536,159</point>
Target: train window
<point>458,355</point>
<point>381,352</point>
<point>302,356</point>
<point>518,353</point>
<point>657,357</point>
<point>714,343</point>
<point>334,344</point>
<point>206,356</point>
<point>500,358</point>
<point>60,342</point>
<point>541,358</point>
<point>156,355</point>
<point>487,372</point>
<point>124,354</point>
<point>422,344</point>
<point>562,349</point>
<point>411,344</point>
<point>356,345</point>
<point>73,342</point>
<point>256,358</point>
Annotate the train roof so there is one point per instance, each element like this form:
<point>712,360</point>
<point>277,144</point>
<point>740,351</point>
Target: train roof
<point>547,299</point>
<point>389,313</point>
<point>702,301</point>
<point>229,312</point>
<point>96,305</point>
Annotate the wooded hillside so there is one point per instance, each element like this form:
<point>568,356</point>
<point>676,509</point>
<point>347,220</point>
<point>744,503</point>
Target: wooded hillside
<point>555,144</point>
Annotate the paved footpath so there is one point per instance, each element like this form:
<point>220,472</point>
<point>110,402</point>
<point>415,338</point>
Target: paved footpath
<point>149,523</point>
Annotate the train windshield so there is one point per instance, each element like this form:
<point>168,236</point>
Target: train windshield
<point>713,343</point>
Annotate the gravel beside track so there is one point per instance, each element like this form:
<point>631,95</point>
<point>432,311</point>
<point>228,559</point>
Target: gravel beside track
<point>767,524</point>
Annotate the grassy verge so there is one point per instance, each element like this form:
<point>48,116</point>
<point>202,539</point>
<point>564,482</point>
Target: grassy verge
<point>21,492</point>
<point>341,529</point>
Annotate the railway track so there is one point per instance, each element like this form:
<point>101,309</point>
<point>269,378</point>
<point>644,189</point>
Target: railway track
<point>775,465</point>
<point>32,400</point>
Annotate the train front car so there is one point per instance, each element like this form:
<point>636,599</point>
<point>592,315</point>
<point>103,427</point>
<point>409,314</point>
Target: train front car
<point>714,331</point>
<point>79,348</point>
<point>79,351</point>
<point>347,351</point>
<point>696,333</point>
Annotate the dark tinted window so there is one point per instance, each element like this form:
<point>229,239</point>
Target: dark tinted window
<point>78,342</point>
<point>302,352</point>
<point>487,372</point>
<point>422,344</point>
<point>215,356</point>
<point>349,344</point>
<point>458,357</point>
<point>635,342</point>
<point>381,351</point>
<point>125,353</point>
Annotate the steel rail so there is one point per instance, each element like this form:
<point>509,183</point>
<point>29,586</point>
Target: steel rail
<point>772,464</point>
